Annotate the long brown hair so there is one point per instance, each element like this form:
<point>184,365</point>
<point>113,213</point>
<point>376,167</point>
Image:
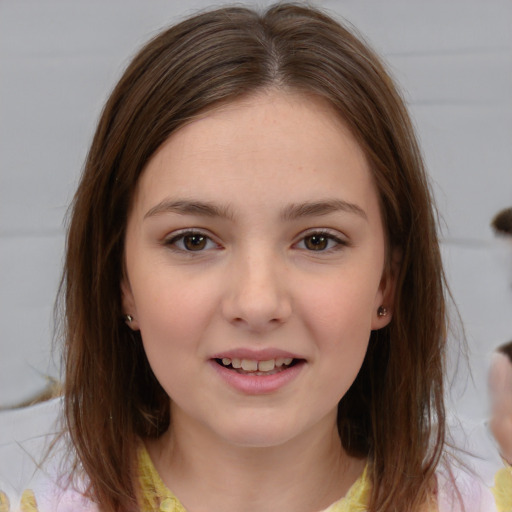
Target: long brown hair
<point>394,413</point>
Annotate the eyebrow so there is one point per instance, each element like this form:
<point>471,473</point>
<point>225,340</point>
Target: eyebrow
<point>291,212</point>
<point>185,207</point>
<point>319,208</point>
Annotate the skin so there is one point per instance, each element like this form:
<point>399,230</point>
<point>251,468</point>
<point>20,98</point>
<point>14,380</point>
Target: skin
<point>500,387</point>
<point>256,285</point>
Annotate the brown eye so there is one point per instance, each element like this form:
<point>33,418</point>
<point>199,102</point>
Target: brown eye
<point>316,242</point>
<point>194,242</point>
<point>321,241</point>
<point>191,241</point>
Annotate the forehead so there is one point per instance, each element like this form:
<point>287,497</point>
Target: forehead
<point>272,141</point>
<point>288,117</point>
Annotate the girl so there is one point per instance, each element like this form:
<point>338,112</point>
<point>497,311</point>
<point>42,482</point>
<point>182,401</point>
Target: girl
<point>254,297</point>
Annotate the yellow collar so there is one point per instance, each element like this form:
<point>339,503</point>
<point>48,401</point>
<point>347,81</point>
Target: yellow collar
<point>156,497</point>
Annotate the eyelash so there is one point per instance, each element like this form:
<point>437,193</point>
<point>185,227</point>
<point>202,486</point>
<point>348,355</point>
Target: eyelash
<point>324,235</point>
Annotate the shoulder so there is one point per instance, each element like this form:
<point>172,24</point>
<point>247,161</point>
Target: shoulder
<point>466,477</point>
<point>26,474</point>
<point>462,490</point>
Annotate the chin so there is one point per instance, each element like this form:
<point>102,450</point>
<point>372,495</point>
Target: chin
<point>261,433</point>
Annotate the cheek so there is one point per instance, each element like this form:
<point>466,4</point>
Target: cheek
<point>343,305</point>
<point>339,316</point>
<point>172,314</point>
<point>173,320</point>
<point>172,298</point>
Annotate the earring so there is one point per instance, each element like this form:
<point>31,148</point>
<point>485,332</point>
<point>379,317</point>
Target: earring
<point>382,311</point>
<point>128,318</point>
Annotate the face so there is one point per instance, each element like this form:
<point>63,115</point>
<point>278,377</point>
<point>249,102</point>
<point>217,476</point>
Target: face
<point>255,257</point>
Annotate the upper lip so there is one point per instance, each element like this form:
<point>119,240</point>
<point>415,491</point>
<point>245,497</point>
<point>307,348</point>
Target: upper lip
<point>255,355</point>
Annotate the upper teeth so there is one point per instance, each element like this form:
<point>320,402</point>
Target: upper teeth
<point>251,365</point>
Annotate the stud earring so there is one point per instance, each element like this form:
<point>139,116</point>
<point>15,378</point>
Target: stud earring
<point>128,318</point>
<point>382,311</point>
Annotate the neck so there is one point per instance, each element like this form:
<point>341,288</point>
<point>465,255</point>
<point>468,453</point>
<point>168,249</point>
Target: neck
<point>305,474</point>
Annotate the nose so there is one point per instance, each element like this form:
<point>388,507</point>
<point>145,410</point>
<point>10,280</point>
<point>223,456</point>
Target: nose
<point>257,295</point>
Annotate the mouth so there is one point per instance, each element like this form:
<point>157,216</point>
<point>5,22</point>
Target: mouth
<point>256,367</point>
<point>260,372</point>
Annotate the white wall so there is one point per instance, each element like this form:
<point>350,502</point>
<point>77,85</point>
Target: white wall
<point>60,58</point>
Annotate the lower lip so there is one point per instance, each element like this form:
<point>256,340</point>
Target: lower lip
<point>258,384</point>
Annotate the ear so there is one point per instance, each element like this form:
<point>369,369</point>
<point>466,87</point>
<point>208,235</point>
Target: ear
<point>128,301</point>
<point>385,298</point>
